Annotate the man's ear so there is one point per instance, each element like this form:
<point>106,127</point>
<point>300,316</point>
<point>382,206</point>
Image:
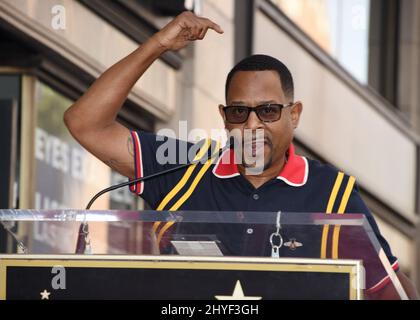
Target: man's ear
<point>295,112</point>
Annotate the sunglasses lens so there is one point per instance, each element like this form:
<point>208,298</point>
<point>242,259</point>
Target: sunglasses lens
<point>266,113</point>
<point>236,114</point>
<point>269,113</point>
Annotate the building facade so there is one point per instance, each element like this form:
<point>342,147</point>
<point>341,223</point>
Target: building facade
<point>355,64</point>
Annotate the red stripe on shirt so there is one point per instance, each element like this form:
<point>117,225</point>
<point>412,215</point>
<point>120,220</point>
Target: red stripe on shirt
<point>382,283</point>
<point>138,187</point>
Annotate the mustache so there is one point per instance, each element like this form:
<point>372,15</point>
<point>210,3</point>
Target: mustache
<point>256,140</point>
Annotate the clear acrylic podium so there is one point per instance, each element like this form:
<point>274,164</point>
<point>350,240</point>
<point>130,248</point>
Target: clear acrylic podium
<point>191,255</point>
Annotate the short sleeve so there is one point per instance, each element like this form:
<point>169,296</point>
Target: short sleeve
<point>376,277</point>
<point>152,154</point>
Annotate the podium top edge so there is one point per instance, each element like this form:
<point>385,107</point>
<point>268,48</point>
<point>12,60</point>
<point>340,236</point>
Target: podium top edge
<point>69,215</point>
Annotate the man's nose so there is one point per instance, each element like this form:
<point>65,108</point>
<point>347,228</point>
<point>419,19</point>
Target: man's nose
<point>253,122</point>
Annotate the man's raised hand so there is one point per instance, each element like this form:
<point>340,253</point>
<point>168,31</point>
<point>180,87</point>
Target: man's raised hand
<point>185,28</point>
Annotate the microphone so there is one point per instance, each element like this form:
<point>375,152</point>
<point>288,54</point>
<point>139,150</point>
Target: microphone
<point>82,241</point>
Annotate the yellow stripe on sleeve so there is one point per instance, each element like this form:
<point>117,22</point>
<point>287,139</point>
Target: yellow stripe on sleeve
<point>330,206</point>
<point>341,210</point>
<point>185,196</point>
<point>181,183</point>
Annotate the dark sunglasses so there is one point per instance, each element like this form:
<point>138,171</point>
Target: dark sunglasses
<point>266,112</point>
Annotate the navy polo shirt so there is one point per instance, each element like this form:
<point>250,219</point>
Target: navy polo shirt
<point>303,185</point>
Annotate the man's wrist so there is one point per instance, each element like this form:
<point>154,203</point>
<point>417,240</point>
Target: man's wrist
<point>157,45</point>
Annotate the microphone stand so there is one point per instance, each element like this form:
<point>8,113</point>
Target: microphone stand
<point>83,242</point>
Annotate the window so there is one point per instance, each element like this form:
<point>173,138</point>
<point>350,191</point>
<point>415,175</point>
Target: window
<point>340,27</point>
<point>67,176</point>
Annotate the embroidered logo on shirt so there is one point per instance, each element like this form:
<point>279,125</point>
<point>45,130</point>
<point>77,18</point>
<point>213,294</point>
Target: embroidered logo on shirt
<point>293,244</point>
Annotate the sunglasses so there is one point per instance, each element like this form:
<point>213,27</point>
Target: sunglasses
<point>266,112</point>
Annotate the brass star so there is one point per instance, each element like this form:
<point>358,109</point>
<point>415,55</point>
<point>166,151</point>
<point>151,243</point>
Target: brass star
<point>45,295</point>
<point>238,294</point>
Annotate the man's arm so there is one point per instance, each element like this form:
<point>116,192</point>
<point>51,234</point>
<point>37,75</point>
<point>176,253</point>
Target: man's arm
<point>92,119</point>
<point>408,286</point>
<point>389,292</point>
<point>357,205</point>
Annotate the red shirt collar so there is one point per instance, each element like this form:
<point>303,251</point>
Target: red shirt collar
<point>294,173</point>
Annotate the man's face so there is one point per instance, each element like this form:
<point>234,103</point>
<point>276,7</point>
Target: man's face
<point>264,143</point>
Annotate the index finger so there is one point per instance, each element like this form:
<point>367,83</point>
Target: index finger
<point>212,25</point>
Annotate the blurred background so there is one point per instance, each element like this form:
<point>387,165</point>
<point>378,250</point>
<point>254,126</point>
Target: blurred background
<point>356,65</point>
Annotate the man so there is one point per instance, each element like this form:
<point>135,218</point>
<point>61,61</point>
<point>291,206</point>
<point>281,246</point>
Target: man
<point>260,101</point>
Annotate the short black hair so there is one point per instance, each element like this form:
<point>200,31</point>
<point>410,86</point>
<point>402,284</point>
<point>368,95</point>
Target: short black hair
<point>262,62</point>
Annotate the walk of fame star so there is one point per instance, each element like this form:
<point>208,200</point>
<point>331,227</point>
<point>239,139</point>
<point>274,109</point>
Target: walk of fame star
<point>45,295</point>
<point>238,294</point>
